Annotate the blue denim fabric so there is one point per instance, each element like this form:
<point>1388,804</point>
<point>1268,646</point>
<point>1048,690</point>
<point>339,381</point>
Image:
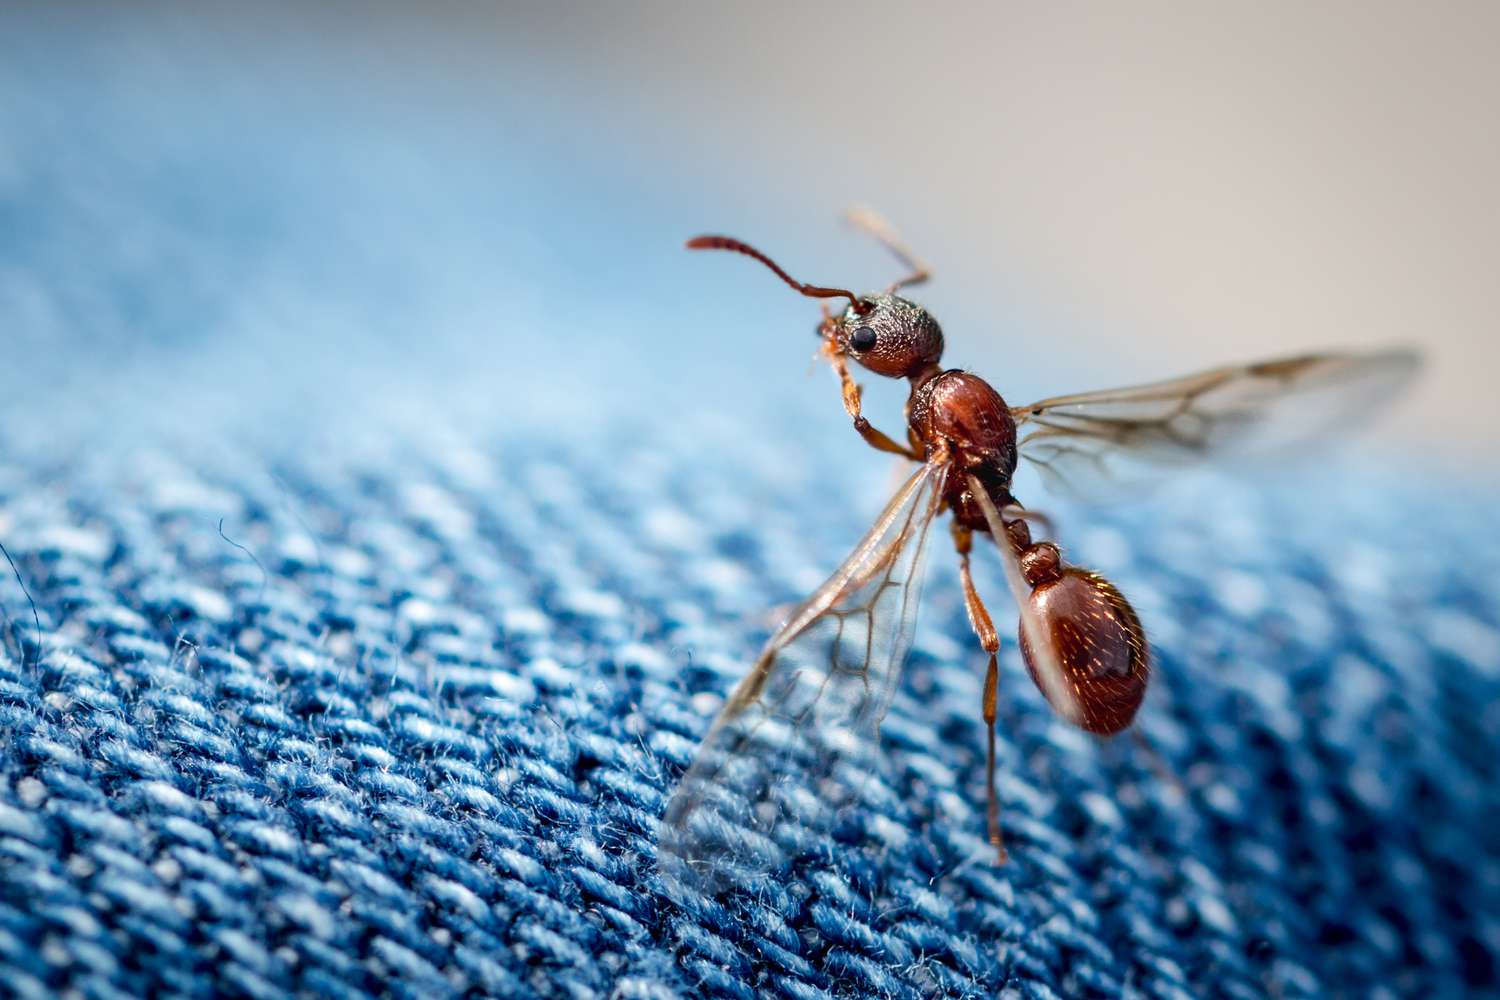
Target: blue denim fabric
<point>395,715</point>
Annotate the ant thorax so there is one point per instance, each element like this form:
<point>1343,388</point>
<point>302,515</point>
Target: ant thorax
<point>963,409</point>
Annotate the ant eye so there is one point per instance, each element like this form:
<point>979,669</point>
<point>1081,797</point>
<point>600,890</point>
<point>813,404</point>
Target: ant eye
<point>863,339</point>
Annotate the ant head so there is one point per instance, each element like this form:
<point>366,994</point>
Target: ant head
<point>887,334</point>
<point>892,336</point>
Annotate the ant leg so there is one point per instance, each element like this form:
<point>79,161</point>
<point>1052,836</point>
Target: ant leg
<point>874,438</point>
<point>989,640</point>
<point>870,222</point>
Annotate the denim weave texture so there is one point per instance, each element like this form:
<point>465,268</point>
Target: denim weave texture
<point>398,718</point>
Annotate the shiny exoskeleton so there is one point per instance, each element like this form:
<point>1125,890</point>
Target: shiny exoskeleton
<point>1083,645</point>
<point>1081,641</point>
<point>1099,639</point>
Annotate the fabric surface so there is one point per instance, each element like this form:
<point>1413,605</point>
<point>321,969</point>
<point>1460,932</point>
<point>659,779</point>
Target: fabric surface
<point>395,715</point>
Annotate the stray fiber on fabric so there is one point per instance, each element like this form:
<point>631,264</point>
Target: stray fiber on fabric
<point>399,721</point>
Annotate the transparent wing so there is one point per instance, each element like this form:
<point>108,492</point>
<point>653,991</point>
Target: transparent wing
<point>1095,442</point>
<point>799,734</point>
<point>1047,659</point>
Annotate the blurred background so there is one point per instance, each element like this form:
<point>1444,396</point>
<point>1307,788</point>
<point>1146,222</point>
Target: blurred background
<point>478,212</point>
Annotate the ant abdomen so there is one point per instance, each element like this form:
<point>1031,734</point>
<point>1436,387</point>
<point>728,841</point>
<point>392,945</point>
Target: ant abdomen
<point>1100,646</point>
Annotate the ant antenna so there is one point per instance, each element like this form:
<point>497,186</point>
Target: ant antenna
<point>812,291</point>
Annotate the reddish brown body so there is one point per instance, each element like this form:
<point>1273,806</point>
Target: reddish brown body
<point>1100,646</point>
<point>1081,640</point>
<point>961,409</point>
<point>1092,664</point>
<point>1100,642</point>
